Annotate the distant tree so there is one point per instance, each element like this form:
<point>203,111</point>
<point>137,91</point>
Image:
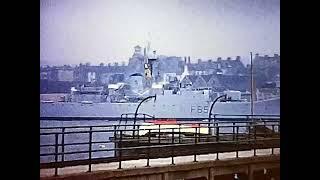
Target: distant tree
<point>87,64</point>
<point>101,64</point>
<point>116,64</point>
<point>123,63</point>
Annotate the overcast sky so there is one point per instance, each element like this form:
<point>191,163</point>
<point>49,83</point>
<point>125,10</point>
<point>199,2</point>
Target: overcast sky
<point>74,31</point>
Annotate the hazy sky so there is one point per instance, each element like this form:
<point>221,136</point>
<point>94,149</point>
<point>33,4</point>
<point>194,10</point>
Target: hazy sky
<point>74,31</point>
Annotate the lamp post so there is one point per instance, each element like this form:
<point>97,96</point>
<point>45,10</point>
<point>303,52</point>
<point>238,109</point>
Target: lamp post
<point>214,102</point>
<point>136,113</point>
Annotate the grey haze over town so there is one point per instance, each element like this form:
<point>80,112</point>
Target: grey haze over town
<point>98,31</point>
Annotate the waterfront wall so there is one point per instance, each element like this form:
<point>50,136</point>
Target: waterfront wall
<point>250,168</point>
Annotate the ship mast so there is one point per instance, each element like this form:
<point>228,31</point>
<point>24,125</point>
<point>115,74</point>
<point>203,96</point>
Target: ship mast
<point>251,89</point>
<point>148,62</point>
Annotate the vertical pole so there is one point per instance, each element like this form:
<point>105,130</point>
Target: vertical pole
<point>62,143</point>
<point>251,84</point>
<point>120,149</point>
<point>138,135</point>
<point>217,139</point>
<point>125,127</point>
<point>255,138</point>
<point>90,148</point>
<point>179,133</point>
<point>272,149</point>
<point>237,133</point>
<point>199,132</point>
<point>195,142</point>
<point>134,125</point>
<point>56,154</point>
<point>237,152</point>
<point>115,139</point>
<point>148,154</point>
<point>249,129</point>
<point>172,148</point>
<point>159,134</point>
<point>233,133</point>
<point>217,135</point>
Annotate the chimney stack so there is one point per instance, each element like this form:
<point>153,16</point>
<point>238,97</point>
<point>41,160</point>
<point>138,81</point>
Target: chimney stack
<point>185,60</point>
<point>189,61</point>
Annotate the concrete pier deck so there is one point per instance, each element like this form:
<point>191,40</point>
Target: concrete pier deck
<point>161,162</point>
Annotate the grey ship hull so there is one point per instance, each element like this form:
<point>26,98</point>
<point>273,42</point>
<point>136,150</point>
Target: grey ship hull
<point>161,108</point>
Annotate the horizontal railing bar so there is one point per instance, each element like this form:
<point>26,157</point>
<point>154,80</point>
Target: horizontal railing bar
<point>250,115</point>
<point>75,144</point>
<point>132,140</point>
<point>149,117</point>
<point>155,129</point>
<point>161,146</point>
<point>178,123</point>
<point>203,125</point>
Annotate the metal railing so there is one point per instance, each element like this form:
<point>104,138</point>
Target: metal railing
<point>159,141</point>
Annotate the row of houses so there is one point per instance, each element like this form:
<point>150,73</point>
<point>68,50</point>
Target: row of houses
<point>227,66</point>
<point>219,74</point>
<point>216,82</point>
<point>164,65</point>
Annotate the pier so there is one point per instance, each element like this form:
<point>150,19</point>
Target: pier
<point>245,147</point>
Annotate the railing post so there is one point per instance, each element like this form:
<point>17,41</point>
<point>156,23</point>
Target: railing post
<point>217,134</point>
<point>195,142</point>
<point>62,143</point>
<point>172,148</point>
<point>209,129</point>
<point>249,131</point>
<point>148,150</point>
<point>90,148</point>
<point>237,142</point>
<point>115,138</point>
<point>134,126</point>
<point>179,133</point>
<point>214,124</point>
<point>159,134</point>
<point>255,138</point>
<point>217,138</point>
<point>233,133</point>
<point>120,149</point>
<point>272,126</point>
<point>126,121</point>
<point>199,134</point>
<point>273,132</point>
<point>138,135</point>
<point>56,154</point>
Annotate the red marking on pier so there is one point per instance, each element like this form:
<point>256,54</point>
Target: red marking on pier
<point>163,121</point>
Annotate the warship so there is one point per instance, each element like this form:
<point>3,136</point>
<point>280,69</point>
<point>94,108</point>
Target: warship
<point>170,102</point>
